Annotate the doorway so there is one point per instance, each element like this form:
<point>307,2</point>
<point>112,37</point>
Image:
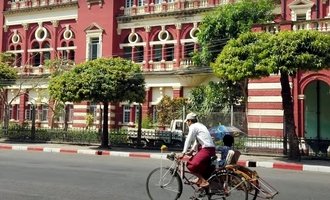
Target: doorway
<point>317,114</point>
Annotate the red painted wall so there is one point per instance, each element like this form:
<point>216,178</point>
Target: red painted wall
<point>103,16</point>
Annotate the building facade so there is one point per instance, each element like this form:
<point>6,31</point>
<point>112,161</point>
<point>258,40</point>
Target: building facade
<point>159,36</point>
<point>310,90</point>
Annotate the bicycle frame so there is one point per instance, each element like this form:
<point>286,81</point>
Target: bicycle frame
<point>179,165</point>
<point>230,180</point>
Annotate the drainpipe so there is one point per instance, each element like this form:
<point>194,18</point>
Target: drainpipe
<point>283,5</point>
<point>317,9</point>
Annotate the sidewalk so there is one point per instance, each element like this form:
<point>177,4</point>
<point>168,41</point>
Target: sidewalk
<point>245,160</point>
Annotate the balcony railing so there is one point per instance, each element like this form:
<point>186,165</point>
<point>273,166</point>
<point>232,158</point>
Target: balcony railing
<point>322,25</point>
<point>165,65</point>
<point>186,62</point>
<point>170,7</point>
<point>32,70</point>
<point>319,25</point>
<point>161,66</point>
<point>21,4</point>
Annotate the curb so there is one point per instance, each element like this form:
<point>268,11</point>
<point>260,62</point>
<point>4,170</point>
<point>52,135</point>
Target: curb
<point>265,164</point>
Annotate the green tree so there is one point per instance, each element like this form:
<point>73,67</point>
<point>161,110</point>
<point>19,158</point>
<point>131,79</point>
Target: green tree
<point>169,109</point>
<point>214,97</point>
<point>8,76</point>
<point>293,51</point>
<point>255,55</point>
<point>219,26</point>
<point>227,22</point>
<point>57,67</point>
<point>104,80</point>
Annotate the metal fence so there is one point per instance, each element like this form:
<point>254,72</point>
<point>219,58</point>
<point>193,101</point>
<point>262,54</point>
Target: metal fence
<point>152,140</point>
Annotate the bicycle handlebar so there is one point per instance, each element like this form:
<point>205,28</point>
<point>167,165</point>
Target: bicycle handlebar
<point>171,156</point>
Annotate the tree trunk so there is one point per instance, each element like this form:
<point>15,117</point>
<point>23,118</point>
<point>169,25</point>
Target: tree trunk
<point>52,119</point>
<point>139,133</point>
<point>6,119</point>
<point>66,117</point>
<point>244,87</point>
<point>105,135</point>
<point>100,124</point>
<point>287,103</point>
<point>33,122</point>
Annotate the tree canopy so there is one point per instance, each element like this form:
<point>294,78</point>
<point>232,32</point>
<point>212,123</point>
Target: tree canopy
<point>8,75</point>
<point>104,80</point>
<point>246,57</point>
<point>101,80</point>
<point>169,109</point>
<point>255,55</point>
<point>216,29</point>
<point>214,97</point>
<point>228,21</point>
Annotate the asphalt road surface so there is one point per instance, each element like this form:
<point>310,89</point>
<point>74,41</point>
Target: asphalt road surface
<point>52,176</point>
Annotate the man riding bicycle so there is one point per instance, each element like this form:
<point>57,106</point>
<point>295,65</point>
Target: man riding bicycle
<point>199,163</point>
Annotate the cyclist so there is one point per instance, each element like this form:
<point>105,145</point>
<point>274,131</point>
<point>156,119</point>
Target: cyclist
<point>200,163</point>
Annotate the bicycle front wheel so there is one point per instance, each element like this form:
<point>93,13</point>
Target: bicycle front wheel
<point>164,183</point>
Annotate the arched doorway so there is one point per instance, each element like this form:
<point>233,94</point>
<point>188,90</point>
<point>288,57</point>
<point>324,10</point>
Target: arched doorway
<point>317,115</point>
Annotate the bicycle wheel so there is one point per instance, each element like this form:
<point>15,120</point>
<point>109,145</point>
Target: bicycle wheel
<point>253,191</point>
<point>164,183</point>
<point>191,190</point>
<point>233,186</point>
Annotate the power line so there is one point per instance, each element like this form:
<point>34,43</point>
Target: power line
<point>140,52</point>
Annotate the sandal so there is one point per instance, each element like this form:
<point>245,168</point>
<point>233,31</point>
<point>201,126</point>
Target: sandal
<point>196,181</point>
<point>204,184</point>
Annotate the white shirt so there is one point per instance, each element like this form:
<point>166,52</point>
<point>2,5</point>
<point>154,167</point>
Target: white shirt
<point>198,133</point>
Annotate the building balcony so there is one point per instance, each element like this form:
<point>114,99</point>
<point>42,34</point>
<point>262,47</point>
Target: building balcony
<point>166,7</point>
<point>322,25</point>
<point>165,66</point>
<point>25,4</point>
<point>32,70</point>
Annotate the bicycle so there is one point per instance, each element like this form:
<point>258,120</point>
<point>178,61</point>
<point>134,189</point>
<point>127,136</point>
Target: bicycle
<point>167,183</point>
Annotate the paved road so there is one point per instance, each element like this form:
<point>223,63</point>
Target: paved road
<point>49,176</point>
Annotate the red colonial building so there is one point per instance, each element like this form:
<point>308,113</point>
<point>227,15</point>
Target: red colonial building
<point>310,90</point>
<point>159,36</point>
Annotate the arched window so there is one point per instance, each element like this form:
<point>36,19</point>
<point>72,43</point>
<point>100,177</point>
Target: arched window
<point>139,54</point>
<point>35,59</point>
<point>15,43</point>
<point>67,48</point>
<point>163,48</point>
<point>133,48</point>
<point>190,45</point>
<point>129,3</point>
<point>18,60</point>
<point>158,52</point>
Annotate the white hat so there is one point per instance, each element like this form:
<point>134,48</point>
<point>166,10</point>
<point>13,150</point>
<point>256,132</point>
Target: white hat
<point>190,116</point>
